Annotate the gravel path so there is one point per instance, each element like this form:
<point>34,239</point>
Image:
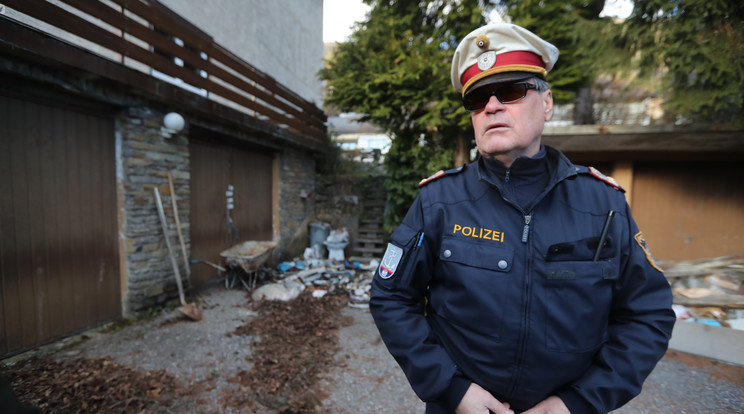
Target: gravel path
<point>364,377</point>
<point>683,383</point>
<point>200,353</point>
<point>371,382</point>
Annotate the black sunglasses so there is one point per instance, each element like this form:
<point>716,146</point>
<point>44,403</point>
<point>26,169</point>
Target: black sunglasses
<point>506,93</point>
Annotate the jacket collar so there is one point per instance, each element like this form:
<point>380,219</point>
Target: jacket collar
<point>559,169</point>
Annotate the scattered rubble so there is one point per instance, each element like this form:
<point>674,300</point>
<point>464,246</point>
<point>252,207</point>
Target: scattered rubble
<point>351,278</point>
<point>278,291</point>
<point>709,291</point>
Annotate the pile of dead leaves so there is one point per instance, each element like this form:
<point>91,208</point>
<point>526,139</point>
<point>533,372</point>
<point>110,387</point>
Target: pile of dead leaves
<point>92,386</point>
<point>296,343</point>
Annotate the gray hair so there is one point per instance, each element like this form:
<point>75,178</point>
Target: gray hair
<point>542,84</point>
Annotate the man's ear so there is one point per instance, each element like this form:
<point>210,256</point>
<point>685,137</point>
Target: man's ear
<point>548,104</point>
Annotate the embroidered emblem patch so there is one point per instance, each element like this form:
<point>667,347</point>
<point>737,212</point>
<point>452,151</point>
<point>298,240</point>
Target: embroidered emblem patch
<point>642,242</point>
<point>486,60</point>
<point>390,261</point>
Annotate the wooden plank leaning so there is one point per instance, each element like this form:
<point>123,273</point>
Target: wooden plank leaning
<point>190,310</point>
<point>178,228</point>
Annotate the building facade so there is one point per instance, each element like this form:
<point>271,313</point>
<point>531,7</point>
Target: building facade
<point>85,87</point>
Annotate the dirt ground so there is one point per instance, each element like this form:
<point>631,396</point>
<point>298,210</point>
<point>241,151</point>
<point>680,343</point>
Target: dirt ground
<point>304,356</point>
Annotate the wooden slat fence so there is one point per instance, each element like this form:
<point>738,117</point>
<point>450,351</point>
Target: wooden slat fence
<point>145,31</point>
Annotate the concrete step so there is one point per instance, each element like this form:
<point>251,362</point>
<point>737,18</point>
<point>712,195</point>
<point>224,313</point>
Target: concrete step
<point>371,230</point>
<point>373,250</point>
<point>369,240</point>
<point>372,221</point>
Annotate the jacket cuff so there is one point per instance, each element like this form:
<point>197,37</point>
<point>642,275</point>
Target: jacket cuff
<point>454,393</point>
<point>574,402</point>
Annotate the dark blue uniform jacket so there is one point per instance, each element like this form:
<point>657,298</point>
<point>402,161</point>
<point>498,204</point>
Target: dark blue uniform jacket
<point>477,290</point>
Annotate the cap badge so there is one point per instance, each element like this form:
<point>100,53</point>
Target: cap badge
<point>482,41</point>
<point>486,60</point>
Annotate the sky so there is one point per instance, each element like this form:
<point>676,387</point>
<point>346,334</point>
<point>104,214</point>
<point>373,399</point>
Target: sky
<point>340,15</point>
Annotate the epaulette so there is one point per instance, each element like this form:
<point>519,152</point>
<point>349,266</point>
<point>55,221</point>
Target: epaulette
<point>440,174</point>
<point>607,179</point>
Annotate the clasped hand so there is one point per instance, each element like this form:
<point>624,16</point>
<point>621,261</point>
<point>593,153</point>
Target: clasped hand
<point>479,401</point>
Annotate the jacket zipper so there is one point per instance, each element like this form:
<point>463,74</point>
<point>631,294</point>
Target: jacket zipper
<point>526,228</point>
<point>528,271</point>
<point>527,304</point>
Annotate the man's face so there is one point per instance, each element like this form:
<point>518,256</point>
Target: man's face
<point>508,131</point>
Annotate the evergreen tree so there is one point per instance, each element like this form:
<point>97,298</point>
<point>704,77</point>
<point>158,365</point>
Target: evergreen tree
<point>697,48</point>
<point>395,71</point>
<point>586,44</point>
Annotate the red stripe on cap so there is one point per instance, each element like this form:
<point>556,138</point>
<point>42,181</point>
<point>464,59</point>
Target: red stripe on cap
<point>519,57</point>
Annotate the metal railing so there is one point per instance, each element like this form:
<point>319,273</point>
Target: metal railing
<point>146,35</point>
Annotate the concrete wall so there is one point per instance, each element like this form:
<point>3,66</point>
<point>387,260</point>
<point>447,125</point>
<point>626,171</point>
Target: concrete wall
<point>281,38</point>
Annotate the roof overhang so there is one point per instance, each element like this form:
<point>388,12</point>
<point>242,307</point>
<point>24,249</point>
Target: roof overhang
<point>652,142</point>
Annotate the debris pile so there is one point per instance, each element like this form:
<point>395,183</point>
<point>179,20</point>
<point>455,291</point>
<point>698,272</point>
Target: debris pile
<point>323,269</point>
<point>709,291</point>
<point>321,277</point>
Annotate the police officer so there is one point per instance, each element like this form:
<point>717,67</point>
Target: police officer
<point>520,282</point>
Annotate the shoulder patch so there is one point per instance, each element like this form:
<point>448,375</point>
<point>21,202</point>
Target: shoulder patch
<point>440,174</point>
<point>609,180</point>
<point>641,240</point>
<point>390,261</point>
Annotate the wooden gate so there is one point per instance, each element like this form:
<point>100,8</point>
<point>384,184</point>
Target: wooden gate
<point>59,265</point>
<point>215,168</point>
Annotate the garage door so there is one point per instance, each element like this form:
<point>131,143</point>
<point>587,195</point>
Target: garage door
<point>217,169</point>
<point>690,212</point>
<point>59,268</point>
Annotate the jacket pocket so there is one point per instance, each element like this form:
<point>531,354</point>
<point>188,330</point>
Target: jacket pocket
<point>473,285</point>
<point>477,255</point>
<point>578,298</point>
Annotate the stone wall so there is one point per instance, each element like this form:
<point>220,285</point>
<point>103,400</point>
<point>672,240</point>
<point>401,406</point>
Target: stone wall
<point>144,159</point>
<point>297,195</point>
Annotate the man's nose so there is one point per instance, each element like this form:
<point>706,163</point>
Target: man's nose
<point>494,105</point>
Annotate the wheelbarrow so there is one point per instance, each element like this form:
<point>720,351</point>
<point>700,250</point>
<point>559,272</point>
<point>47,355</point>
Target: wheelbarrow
<point>244,262</point>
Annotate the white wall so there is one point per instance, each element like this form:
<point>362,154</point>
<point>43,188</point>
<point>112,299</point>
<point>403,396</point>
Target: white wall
<point>283,38</point>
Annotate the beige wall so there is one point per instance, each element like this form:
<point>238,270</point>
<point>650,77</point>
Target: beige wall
<point>283,38</point>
